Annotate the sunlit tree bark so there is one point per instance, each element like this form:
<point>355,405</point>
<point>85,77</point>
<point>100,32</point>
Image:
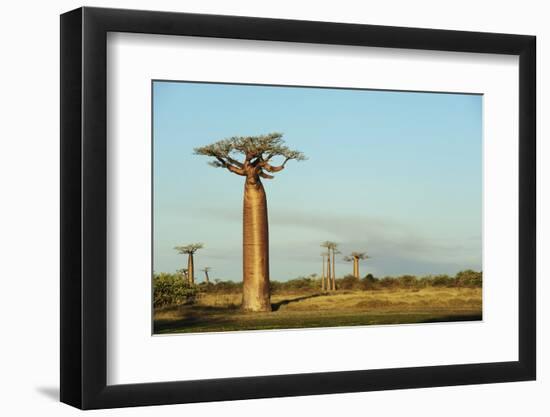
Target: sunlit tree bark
<point>190,251</point>
<point>332,250</point>
<point>355,257</point>
<point>256,153</point>
<point>330,264</point>
<point>329,274</point>
<point>323,286</point>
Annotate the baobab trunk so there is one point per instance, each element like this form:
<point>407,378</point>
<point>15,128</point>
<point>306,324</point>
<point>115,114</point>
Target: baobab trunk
<point>333,271</point>
<point>329,280</point>
<point>323,276</point>
<point>356,267</point>
<point>206,277</point>
<point>190,270</point>
<point>256,295</point>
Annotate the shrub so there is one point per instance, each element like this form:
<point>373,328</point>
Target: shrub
<point>389,282</point>
<point>407,281</point>
<point>299,284</point>
<point>349,282</point>
<point>442,280</point>
<point>469,278</point>
<point>171,289</point>
<point>225,287</point>
<point>369,278</point>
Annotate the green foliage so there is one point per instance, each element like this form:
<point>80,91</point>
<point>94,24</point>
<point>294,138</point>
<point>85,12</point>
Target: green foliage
<point>388,282</point>
<point>440,281</point>
<point>407,281</point>
<point>369,282</point>
<point>224,287</point>
<point>349,282</point>
<point>172,289</point>
<point>469,278</point>
<point>300,284</point>
<point>369,278</point>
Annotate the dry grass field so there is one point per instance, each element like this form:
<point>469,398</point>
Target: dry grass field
<point>221,312</point>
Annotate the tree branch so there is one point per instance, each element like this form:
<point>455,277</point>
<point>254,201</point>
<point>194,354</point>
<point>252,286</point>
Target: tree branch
<point>272,168</point>
<point>269,156</point>
<point>232,168</point>
<point>266,176</point>
<point>234,161</point>
<point>255,161</point>
<point>236,170</point>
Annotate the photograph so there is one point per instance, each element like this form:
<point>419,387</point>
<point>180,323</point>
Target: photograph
<point>244,194</point>
<point>292,207</point>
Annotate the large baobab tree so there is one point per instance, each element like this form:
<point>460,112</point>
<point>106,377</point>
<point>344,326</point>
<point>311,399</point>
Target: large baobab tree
<point>251,157</point>
<point>355,257</point>
<point>190,251</point>
<point>206,277</point>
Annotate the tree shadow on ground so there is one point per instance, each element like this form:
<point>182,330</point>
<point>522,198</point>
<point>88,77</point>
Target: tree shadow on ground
<point>277,306</point>
<point>214,309</point>
<point>188,322</point>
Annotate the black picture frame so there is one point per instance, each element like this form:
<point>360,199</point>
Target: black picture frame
<point>84,207</point>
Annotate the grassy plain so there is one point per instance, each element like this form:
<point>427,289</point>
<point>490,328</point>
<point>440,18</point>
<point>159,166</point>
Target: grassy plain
<point>221,312</point>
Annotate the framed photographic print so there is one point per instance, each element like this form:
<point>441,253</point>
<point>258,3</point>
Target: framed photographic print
<point>258,207</point>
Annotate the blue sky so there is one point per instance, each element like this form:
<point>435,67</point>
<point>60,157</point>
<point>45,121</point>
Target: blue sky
<point>395,174</point>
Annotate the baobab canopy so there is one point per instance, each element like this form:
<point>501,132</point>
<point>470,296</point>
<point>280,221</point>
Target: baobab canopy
<point>189,249</point>
<point>356,255</point>
<point>257,150</point>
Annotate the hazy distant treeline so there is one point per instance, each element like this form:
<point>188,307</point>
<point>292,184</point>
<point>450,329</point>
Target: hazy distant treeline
<point>173,289</point>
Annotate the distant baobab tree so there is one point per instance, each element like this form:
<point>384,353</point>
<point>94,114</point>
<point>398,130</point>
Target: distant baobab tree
<point>331,269</point>
<point>206,277</point>
<point>256,153</point>
<point>324,286</point>
<point>183,273</point>
<point>335,251</point>
<point>355,257</point>
<point>326,244</point>
<point>190,251</point>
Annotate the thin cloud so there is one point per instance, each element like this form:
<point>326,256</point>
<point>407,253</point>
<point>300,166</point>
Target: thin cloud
<point>395,248</point>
